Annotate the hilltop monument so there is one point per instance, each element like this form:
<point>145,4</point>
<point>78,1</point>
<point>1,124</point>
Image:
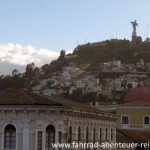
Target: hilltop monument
<point>134,35</point>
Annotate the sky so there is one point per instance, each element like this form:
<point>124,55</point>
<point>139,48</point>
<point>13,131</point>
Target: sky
<point>36,30</point>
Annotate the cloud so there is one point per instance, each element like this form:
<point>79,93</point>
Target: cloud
<point>15,56</point>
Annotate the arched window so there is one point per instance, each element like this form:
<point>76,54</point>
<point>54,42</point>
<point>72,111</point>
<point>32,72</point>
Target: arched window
<point>10,137</point>
<point>70,134</point>
<point>50,137</point>
<point>94,135</point>
<point>100,135</point>
<point>146,120</point>
<point>87,134</point>
<point>79,134</point>
<point>125,120</point>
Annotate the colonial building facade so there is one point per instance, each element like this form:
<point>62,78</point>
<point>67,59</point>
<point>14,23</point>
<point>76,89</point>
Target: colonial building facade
<point>29,121</point>
<point>134,117</point>
<point>135,112</point>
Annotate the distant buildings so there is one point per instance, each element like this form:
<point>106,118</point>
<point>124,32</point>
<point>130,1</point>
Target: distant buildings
<point>111,79</point>
<point>70,79</point>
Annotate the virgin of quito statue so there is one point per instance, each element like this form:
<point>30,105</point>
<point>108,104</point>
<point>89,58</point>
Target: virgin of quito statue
<point>134,35</point>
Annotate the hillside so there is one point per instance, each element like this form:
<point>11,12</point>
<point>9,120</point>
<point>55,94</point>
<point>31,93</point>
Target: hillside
<point>104,70</point>
<point>109,50</point>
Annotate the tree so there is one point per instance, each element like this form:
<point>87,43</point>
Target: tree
<point>124,84</point>
<point>15,72</point>
<point>129,86</point>
<point>62,59</point>
<point>29,70</point>
<point>45,68</point>
<point>62,53</point>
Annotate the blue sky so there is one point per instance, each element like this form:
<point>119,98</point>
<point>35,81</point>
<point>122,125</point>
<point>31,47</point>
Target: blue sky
<point>36,30</point>
<point>59,24</point>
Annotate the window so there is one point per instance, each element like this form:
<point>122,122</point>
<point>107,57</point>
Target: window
<point>106,135</point>
<point>10,137</point>
<point>39,140</point>
<point>111,134</point>
<point>94,138</point>
<point>79,134</point>
<point>146,120</point>
<point>87,135</point>
<point>125,120</point>
<point>100,136</point>
<point>50,137</point>
<point>70,134</point>
<point>60,137</point>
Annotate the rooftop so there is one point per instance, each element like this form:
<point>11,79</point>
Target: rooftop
<point>138,97</point>
<point>137,103</point>
<point>140,93</point>
<point>139,136</point>
<point>24,97</point>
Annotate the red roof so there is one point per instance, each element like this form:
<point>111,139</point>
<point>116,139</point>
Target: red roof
<point>141,93</point>
<point>137,103</point>
<point>138,97</point>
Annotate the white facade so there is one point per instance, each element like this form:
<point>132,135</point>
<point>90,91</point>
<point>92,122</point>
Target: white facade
<point>29,121</point>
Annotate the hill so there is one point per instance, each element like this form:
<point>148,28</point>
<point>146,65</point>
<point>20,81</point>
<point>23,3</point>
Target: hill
<point>114,49</point>
<point>103,70</point>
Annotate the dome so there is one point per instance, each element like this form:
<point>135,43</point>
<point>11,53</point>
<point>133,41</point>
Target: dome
<point>141,93</point>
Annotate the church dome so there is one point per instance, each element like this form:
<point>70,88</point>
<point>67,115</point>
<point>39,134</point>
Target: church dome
<point>141,93</point>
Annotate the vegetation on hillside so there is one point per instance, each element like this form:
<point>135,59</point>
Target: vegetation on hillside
<point>123,50</point>
<point>90,54</point>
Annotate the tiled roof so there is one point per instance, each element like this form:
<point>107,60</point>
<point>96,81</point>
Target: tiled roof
<point>139,136</point>
<point>137,103</point>
<point>22,97</point>
<point>123,138</point>
<point>138,97</point>
<point>141,93</point>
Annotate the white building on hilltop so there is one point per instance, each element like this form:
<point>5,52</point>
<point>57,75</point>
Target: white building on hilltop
<point>29,121</point>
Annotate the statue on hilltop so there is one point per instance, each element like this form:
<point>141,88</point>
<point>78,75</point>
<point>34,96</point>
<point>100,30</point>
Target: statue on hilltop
<point>134,24</point>
<point>134,35</point>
